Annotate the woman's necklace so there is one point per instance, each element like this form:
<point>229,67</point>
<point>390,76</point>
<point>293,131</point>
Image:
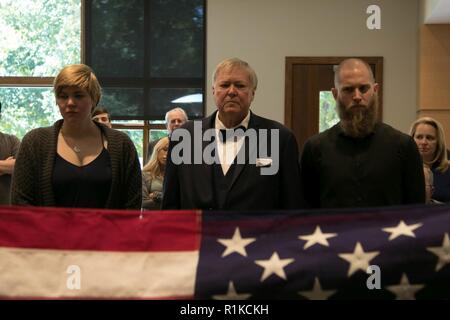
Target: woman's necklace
<point>75,148</point>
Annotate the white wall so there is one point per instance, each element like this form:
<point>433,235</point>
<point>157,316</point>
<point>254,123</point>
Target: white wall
<point>264,32</point>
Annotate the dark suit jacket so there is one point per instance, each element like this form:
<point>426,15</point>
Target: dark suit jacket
<point>190,186</point>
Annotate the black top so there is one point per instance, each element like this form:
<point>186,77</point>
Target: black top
<point>382,169</point>
<point>441,182</point>
<point>32,182</point>
<point>82,187</point>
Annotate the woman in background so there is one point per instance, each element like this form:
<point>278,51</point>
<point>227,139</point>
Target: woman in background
<point>77,162</point>
<point>153,176</point>
<point>429,137</point>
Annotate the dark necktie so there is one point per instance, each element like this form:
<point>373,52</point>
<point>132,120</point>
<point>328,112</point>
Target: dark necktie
<point>227,135</point>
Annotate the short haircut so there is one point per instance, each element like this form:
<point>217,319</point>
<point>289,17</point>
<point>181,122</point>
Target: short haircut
<point>176,109</point>
<point>100,110</point>
<point>81,76</point>
<point>350,61</point>
<point>236,63</point>
<point>441,148</point>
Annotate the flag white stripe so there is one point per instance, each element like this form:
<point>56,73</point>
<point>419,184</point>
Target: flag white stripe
<point>43,273</point>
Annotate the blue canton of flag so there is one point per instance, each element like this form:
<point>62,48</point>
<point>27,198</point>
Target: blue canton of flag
<point>377,253</point>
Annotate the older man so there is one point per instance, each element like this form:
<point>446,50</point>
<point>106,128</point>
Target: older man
<point>174,119</point>
<point>212,167</point>
<point>360,162</point>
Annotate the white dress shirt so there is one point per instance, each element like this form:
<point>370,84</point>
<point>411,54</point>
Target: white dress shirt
<point>229,150</point>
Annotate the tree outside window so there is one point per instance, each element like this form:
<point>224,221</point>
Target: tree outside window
<point>328,116</point>
<point>146,54</point>
<point>38,38</point>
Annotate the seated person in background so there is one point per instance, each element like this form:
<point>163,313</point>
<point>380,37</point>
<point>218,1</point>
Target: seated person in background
<point>77,162</point>
<point>101,115</point>
<point>153,176</point>
<point>429,188</point>
<point>430,139</point>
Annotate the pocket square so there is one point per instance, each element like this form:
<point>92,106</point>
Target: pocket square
<point>263,162</point>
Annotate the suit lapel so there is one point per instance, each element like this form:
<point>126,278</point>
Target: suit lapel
<point>250,151</point>
<point>206,171</point>
<point>207,123</point>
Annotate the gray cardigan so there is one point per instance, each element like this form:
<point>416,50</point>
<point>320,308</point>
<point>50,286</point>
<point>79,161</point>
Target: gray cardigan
<point>32,178</point>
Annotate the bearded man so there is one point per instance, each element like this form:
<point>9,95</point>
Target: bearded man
<point>360,162</point>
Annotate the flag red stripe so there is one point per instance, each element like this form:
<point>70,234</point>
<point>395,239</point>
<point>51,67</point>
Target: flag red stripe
<point>110,230</point>
<point>185,297</point>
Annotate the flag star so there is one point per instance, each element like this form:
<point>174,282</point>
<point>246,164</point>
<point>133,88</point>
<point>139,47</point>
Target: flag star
<point>442,252</point>
<point>274,265</point>
<point>236,244</point>
<point>317,293</point>
<point>402,229</point>
<point>404,290</point>
<point>358,259</point>
<point>232,294</point>
<point>317,238</point>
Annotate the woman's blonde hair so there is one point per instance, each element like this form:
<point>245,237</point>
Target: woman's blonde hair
<point>440,156</point>
<point>81,76</point>
<point>153,167</point>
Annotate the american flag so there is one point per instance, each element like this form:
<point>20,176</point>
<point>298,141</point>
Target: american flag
<point>326,254</point>
<point>375,253</point>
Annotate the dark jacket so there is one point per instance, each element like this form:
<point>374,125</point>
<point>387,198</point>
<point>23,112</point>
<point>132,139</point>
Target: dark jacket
<point>193,186</point>
<point>32,178</point>
<point>381,169</point>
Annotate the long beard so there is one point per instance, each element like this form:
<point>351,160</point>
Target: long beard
<point>358,121</point>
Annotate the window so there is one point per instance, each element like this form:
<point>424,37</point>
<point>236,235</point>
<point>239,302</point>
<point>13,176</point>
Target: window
<point>328,115</point>
<point>38,38</point>
<point>149,58</point>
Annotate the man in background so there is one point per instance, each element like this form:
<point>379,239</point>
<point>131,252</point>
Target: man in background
<point>101,115</point>
<point>174,119</point>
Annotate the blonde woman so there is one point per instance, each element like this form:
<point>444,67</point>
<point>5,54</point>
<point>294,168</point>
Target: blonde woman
<point>77,162</point>
<point>153,176</point>
<point>430,139</point>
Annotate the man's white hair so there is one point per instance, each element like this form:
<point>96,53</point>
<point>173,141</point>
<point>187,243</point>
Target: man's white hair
<point>176,109</point>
